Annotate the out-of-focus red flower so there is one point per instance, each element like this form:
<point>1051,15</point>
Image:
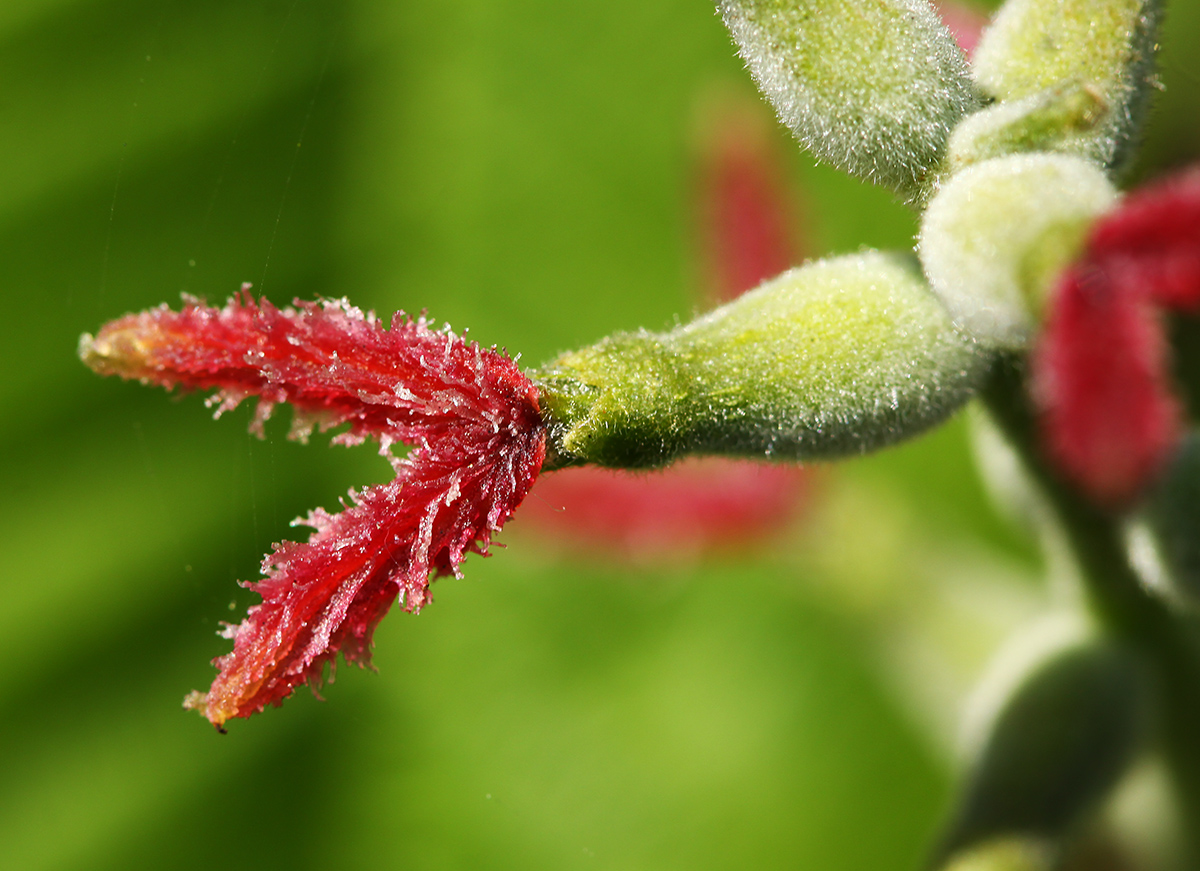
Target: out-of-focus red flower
<point>748,223</point>
<point>748,231</point>
<point>965,23</point>
<point>1152,242</point>
<point>470,414</point>
<point>1101,380</point>
<point>695,506</point>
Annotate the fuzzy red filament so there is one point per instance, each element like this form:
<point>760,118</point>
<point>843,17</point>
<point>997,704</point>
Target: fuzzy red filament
<point>478,444</point>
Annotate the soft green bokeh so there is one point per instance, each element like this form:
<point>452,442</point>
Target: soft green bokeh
<point>523,169</point>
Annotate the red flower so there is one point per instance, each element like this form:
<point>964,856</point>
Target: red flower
<point>470,414</point>
<point>694,506</point>
<point>1109,417</point>
<point>747,221</point>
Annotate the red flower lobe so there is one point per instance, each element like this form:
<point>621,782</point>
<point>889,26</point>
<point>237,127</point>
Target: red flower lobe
<point>470,414</point>
<point>1108,415</point>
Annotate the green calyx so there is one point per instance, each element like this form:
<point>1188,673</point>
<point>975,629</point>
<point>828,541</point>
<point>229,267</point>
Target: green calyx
<point>834,358</point>
<point>616,403</point>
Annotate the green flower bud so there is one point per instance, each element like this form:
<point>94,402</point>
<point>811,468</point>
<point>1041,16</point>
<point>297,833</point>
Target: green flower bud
<point>998,234</point>
<point>1060,745</point>
<point>1107,45</point>
<point>837,357</point>
<point>872,88</point>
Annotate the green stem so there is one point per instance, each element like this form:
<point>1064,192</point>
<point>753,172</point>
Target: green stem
<point>1169,641</point>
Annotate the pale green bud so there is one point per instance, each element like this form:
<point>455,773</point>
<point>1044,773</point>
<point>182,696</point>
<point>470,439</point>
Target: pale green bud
<point>873,88</point>
<point>999,233</point>
<point>1108,45</point>
<point>837,357</point>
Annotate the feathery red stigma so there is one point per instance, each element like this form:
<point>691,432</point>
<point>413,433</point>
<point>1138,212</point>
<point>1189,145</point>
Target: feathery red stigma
<point>470,414</point>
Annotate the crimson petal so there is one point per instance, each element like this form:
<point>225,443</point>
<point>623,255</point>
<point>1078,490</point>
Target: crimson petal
<point>327,595</point>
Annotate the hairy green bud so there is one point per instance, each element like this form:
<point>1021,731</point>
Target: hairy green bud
<point>837,357</point>
<point>1107,45</point>
<point>873,88</point>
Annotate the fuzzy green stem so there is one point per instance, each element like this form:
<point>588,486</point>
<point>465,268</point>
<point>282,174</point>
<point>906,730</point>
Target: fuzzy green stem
<point>1170,641</point>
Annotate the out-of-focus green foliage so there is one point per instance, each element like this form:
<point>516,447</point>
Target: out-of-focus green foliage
<point>523,169</point>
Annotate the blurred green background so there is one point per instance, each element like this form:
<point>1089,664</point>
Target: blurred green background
<point>524,168</point>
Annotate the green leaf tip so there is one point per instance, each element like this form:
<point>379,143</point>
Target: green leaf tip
<point>998,233</point>
<point>873,88</point>
<point>1107,45</point>
<point>834,358</point>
